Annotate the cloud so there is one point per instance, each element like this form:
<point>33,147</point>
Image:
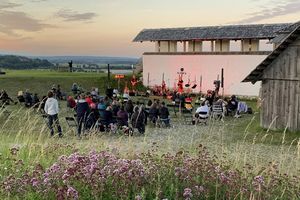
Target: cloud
<point>70,15</point>
<point>13,21</point>
<point>6,4</point>
<point>36,1</point>
<point>278,8</point>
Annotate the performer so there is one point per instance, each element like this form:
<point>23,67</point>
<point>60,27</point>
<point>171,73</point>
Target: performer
<point>134,82</point>
<point>180,84</point>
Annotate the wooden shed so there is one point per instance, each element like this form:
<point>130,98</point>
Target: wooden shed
<point>280,76</point>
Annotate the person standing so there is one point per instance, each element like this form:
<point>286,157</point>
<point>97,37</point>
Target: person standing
<point>82,109</point>
<point>51,109</point>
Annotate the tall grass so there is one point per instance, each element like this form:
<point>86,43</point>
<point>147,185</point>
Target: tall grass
<point>178,161</point>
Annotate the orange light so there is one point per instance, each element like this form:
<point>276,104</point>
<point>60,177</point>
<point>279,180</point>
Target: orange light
<point>119,76</point>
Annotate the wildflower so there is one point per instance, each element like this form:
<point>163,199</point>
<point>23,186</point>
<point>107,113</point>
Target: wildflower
<point>187,194</point>
<point>34,182</point>
<point>199,189</point>
<point>71,192</point>
<point>14,150</point>
<point>259,179</point>
<point>138,197</point>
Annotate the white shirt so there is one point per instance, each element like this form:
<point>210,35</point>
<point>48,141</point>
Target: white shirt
<point>203,109</point>
<point>51,106</point>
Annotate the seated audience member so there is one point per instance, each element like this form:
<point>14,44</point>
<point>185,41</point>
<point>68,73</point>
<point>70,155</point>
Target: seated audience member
<point>89,99</point>
<point>108,116</point>
<point>82,110</point>
<point>138,119</point>
<point>28,99</point>
<point>75,89</point>
<point>115,106</point>
<point>94,92</point>
<point>5,98</point>
<point>35,100</point>
<point>232,104</point>
<point>164,114</point>
<point>71,103</point>
<point>210,97</point>
<point>153,112</point>
<point>122,116</point>
<point>42,104</point>
<point>102,107</point>
<point>59,94</point>
<point>203,111</point>
<point>20,97</point>
<point>129,107</point>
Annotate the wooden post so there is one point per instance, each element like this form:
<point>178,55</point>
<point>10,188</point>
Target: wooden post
<point>200,85</point>
<point>222,81</point>
<point>148,79</point>
<point>108,76</point>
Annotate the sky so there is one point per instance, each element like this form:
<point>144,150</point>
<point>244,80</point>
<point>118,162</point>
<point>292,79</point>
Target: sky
<point>107,27</point>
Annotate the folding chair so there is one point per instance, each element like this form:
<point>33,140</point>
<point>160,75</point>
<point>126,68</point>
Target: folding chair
<point>71,121</point>
<point>217,112</point>
<point>202,118</point>
<point>187,116</point>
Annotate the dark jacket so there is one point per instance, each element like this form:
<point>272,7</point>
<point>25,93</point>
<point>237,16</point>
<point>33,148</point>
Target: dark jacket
<point>164,112</point>
<point>138,119</point>
<point>129,107</point>
<point>82,108</point>
<point>122,117</point>
<point>153,113</point>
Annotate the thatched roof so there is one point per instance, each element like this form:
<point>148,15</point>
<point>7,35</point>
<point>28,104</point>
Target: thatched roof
<point>233,32</point>
<point>257,73</point>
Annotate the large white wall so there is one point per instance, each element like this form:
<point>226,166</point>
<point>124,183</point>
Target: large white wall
<point>236,68</point>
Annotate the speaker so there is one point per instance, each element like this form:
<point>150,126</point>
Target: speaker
<point>109,92</point>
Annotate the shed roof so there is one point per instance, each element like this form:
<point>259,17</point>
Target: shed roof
<point>283,33</point>
<point>251,31</point>
<point>257,73</point>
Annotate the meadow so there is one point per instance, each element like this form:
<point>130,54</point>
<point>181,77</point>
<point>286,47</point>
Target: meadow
<point>234,159</point>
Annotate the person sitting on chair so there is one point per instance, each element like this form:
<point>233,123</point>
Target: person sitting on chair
<point>232,104</point>
<point>122,116</point>
<point>153,112</point>
<point>202,112</point>
<point>35,100</point>
<point>164,114</point>
<point>5,98</point>
<point>28,99</point>
<point>71,103</point>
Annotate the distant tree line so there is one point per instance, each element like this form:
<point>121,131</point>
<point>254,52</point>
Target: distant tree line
<point>20,62</point>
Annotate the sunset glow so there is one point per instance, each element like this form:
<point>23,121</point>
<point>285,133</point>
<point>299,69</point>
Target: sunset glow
<point>107,27</point>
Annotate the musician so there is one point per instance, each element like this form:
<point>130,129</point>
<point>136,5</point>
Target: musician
<point>134,82</point>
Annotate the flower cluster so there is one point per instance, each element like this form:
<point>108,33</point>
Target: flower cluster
<point>105,175</point>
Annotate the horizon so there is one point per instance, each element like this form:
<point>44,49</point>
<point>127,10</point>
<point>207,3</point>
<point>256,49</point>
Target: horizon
<point>106,28</point>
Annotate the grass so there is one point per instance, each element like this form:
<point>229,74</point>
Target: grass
<point>238,145</point>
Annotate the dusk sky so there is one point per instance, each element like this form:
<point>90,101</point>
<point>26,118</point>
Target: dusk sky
<point>107,27</point>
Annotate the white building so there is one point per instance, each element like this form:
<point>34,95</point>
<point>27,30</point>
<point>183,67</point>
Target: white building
<point>204,51</point>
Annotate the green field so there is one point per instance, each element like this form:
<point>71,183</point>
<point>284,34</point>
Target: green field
<point>238,148</point>
<point>41,81</point>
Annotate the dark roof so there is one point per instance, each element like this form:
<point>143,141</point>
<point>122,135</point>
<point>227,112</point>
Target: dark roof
<point>257,73</point>
<point>283,33</point>
<point>252,31</point>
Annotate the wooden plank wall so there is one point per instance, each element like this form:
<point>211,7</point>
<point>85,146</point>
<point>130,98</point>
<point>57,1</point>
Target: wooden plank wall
<point>281,98</point>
